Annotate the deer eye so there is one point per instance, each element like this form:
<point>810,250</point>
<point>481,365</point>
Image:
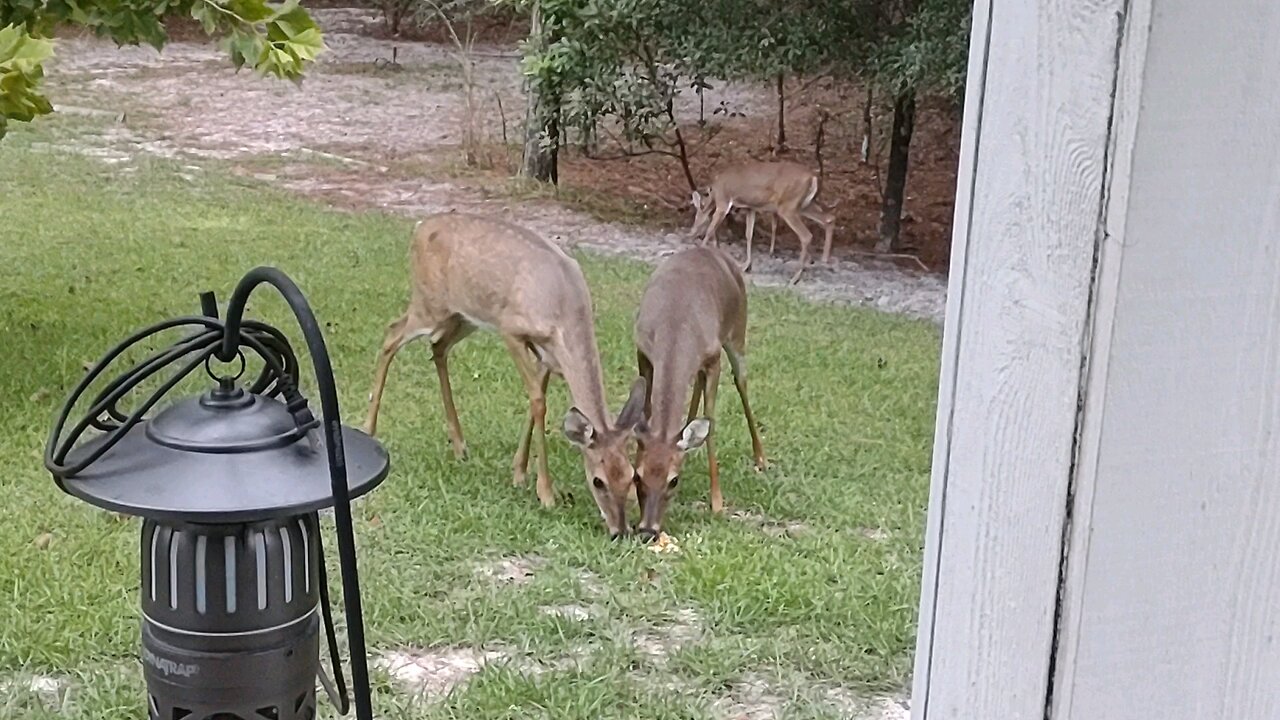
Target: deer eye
<point>598,483</point>
<point>671,484</point>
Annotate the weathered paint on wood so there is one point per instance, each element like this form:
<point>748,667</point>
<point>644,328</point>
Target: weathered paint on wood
<point>1027,226</point>
<point>1172,606</point>
<point>1142,392</point>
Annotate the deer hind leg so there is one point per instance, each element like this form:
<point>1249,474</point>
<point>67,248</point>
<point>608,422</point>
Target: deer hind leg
<point>773,231</point>
<point>533,373</point>
<point>794,221</point>
<point>399,333</point>
<point>824,218</point>
<point>738,366</point>
<point>709,406</point>
<point>751,231</point>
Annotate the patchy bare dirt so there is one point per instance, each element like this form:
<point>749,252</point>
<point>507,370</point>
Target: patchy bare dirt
<point>433,673</point>
<point>770,526</point>
<point>752,696</point>
<point>38,694</point>
<point>378,123</point>
<point>662,639</point>
<point>511,570</point>
<point>573,612</point>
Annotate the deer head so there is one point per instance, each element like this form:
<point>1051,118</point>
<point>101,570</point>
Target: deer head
<point>605,457</point>
<point>658,473</point>
<point>703,207</point>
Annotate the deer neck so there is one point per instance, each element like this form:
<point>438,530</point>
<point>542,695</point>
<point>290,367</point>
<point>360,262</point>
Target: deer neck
<point>673,376</point>
<point>579,361</point>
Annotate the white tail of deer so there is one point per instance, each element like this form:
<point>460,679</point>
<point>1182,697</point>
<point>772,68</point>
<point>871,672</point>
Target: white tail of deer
<point>469,272</point>
<point>694,308</point>
<point>786,189</point>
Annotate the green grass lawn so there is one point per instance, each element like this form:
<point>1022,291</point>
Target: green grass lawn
<point>814,588</point>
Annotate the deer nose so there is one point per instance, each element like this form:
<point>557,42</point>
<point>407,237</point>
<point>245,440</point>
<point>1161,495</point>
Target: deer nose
<point>647,535</point>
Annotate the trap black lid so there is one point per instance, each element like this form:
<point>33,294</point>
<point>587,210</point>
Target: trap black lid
<point>225,456</point>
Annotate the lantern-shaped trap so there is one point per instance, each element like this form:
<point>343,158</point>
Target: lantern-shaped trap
<point>229,484</point>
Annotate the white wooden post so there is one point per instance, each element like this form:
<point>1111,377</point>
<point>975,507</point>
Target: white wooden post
<point>1104,525</point>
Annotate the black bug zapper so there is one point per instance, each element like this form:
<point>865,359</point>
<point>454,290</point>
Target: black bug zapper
<point>229,485</point>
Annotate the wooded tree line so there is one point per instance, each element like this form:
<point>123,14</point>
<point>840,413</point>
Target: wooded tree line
<point>617,66</point>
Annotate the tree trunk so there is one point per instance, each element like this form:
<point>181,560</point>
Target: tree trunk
<point>541,129</point>
<point>680,145</point>
<point>781,145</point>
<point>895,182</point>
<point>541,145</point>
<point>866,125</point>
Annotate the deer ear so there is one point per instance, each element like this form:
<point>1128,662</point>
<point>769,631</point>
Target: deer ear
<point>578,428</point>
<point>633,411</point>
<point>694,434</point>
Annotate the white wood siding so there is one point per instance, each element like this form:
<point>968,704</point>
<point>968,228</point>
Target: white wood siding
<point>1173,604</point>
<point>1029,197</point>
<point>1117,249</point>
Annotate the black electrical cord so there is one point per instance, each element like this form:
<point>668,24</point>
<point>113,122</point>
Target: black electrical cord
<point>278,378</point>
<point>337,461</point>
<point>222,340</point>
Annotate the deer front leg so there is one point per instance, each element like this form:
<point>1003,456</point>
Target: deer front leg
<point>709,406</point>
<point>521,464</point>
<point>699,383</point>
<point>440,356</point>
<point>738,366</point>
<point>533,375</point>
<point>722,211</point>
<point>751,231</point>
<point>646,371</point>
<point>773,231</point>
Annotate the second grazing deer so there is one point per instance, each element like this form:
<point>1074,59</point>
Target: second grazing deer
<point>787,189</point>
<point>471,272</point>
<point>693,309</point>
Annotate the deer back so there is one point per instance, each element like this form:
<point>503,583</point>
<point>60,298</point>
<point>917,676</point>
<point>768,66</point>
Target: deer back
<point>497,275</point>
<point>695,302</point>
<point>766,185</point>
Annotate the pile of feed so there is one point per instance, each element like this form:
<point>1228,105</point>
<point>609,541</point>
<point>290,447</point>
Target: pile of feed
<point>664,544</point>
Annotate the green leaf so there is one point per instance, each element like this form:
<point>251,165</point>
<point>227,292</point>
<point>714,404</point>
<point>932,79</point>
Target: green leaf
<point>21,70</point>
<point>250,11</point>
<point>308,44</point>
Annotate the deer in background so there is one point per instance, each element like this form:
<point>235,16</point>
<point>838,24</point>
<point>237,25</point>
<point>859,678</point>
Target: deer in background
<point>469,272</point>
<point>694,308</point>
<point>786,189</point>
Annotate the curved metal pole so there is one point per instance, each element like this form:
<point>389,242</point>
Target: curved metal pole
<point>332,424</point>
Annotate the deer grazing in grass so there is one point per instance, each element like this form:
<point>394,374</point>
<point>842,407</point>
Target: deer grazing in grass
<point>694,308</point>
<point>786,189</point>
<point>471,272</point>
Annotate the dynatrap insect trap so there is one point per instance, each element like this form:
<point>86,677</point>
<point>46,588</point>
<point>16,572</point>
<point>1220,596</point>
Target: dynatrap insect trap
<point>229,484</point>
